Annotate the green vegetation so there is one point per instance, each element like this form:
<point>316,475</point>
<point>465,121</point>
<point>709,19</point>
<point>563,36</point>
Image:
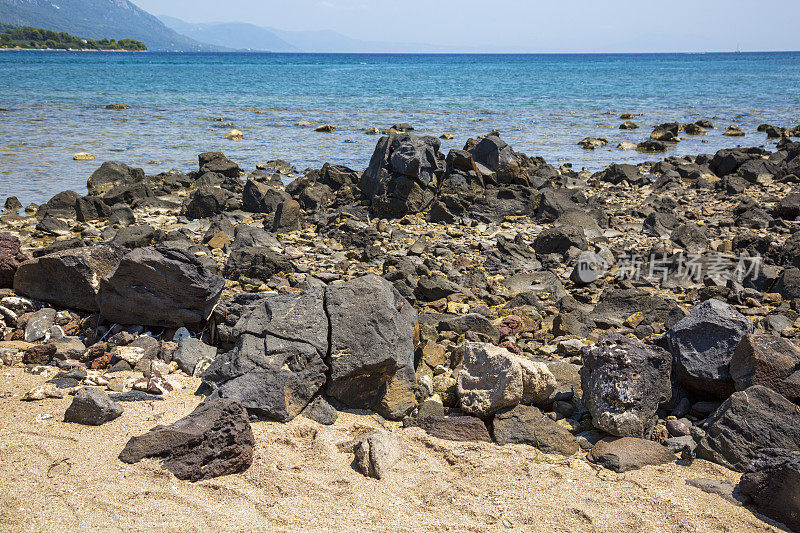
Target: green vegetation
<point>34,38</point>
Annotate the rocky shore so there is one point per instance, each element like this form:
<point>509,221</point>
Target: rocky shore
<point>638,319</point>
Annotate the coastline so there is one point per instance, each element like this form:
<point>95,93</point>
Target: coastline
<point>483,252</point>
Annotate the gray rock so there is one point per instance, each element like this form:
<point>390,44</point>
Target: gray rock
<point>470,322</point>
<point>725,489</point>
<point>767,360</point>
<point>455,428</point>
<point>190,352</point>
<point>623,382</point>
<point>528,425</point>
<point>629,453</point>
<point>112,174</point>
<point>92,407</point>
<point>677,444</point>
<point>490,379</point>
<point>746,422</point>
<point>772,482</point>
<point>371,339</point>
<point>702,345</point>
<point>78,272</point>
<point>214,440</point>
<point>39,323</point>
<point>321,411</point>
<point>182,294</point>
<point>377,452</point>
<point>278,364</point>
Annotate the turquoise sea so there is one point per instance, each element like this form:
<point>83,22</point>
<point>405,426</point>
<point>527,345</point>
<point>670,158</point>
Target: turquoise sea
<point>52,106</point>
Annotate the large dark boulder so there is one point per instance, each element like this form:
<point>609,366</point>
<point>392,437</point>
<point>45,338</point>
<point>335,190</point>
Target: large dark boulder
<point>260,198</point>
<point>205,202</point>
<point>403,174</point>
<point>112,174</point>
<point>128,194</point>
<point>494,154</point>
<point>162,287</point>
<point>623,383</point>
<point>702,345</point>
<point>217,163</point>
<point>278,364</point>
<point>772,482</point>
<point>62,205</point>
<point>559,240</point>
<point>69,278</point>
<point>88,208</point>
<point>767,360</point>
<point>214,440</point>
<point>371,339</point>
<point>747,422</point>
<point>10,259</point>
<point>618,173</point>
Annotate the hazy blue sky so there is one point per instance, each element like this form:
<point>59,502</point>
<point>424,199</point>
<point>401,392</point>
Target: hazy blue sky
<point>520,25</point>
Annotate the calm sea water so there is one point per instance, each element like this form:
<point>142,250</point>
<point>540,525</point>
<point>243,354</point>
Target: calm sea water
<point>541,104</point>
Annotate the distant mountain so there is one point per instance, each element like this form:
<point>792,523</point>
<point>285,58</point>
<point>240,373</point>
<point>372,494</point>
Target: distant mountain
<point>98,19</point>
<point>238,35</point>
<point>259,38</point>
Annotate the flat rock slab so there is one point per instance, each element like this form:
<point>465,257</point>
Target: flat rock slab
<point>724,489</point>
<point>214,440</point>
<point>629,453</point>
<point>455,428</point>
<point>528,425</point>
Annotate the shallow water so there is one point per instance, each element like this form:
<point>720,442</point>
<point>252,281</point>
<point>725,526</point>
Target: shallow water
<point>542,104</point>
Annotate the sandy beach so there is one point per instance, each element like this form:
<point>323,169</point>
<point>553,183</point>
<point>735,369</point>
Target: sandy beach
<point>59,476</point>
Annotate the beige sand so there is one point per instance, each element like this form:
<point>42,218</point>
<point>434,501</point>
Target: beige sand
<point>66,477</point>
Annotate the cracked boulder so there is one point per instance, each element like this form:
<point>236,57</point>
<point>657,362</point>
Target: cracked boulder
<point>747,422</point>
<point>772,482</point>
<point>623,383</point>
<point>372,341</point>
<point>403,174</point>
<point>278,364</point>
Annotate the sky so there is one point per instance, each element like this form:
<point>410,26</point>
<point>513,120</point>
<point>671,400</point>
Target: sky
<point>521,25</point>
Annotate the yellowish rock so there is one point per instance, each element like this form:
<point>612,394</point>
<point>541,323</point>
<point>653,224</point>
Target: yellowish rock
<point>634,320</point>
<point>83,156</point>
<point>304,124</point>
<point>235,135</point>
<point>325,128</point>
<point>457,308</point>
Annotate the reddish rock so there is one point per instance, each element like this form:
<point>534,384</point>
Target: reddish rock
<point>152,383</point>
<point>101,363</point>
<point>10,259</point>
<point>511,325</point>
<point>39,355</point>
